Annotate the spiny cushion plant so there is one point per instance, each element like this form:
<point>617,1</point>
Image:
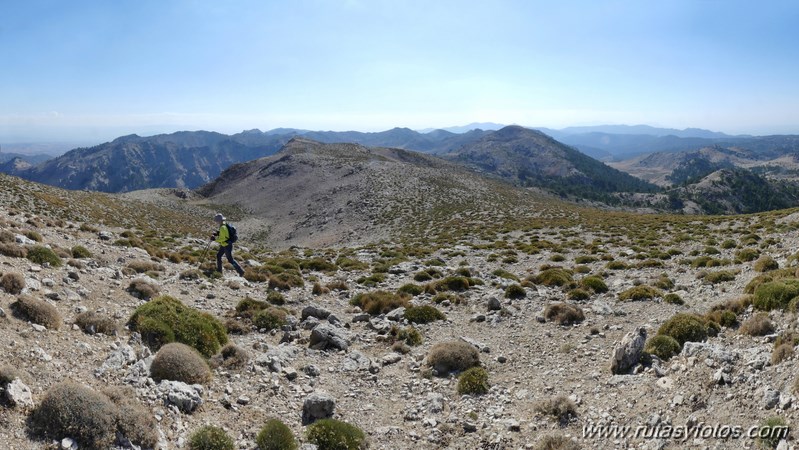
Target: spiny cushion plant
<point>775,294</point>
<point>74,410</point>
<point>423,314</point>
<point>662,346</point>
<point>452,356</point>
<point>91,322</point>
<point>134,421</point>
<point>379,302</point>
<point>276,435</point>
<point>765,264</point>
<point>269,318</point>
<point>685,327</point>
<point>564,313</point>
<point>514,291</point>
<point>473,381</point>
<point>641,292</point>
<point>554,276</point>
<point>12,282</point>
<point>332,434</point>
<point>40,255</point>
<point>37,311</point>
<point>594,283</point>
<point>210,437</point>
<point>165,319</point>
<point>757,325</point>
<point>142,289</point>
<point>559,408</point>
<point>179,362</point>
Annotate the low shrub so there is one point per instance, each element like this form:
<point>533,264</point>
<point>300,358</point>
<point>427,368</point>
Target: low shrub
<point>775,294</point>
<point>12,282</point>
<point>285,281</point>
<point>74,410</point>
<point>379,302</point>
<point>616,265</point>
<point>502,273</point>
<point>318,265</point>
<point>554,276</point>
<point>142,289</point>
<point>453,283</point>
<point>179,362</point>
<point>91,322</point>
<point>13,251</point>
<point>723,317</point>
<point>781,353</point>
<point>332,434</point>
<point>673,299</point>
<point>408,335</point>
<point>411,289</point>
<point>165,319</point>
<point>270,318</point>
<point>772,431</point>
<point>720,276</point>
<point>579,294</point>
<point>144,266</point>
<point>248,307</point>
<point>452,356</point>
<point>664,282</point>
<point>473,381</point>
<point>231,356</point>
<point>275,298</point>
<point>276,435</point>
<point>80,251</point>
<point>190,275</point>
<point>757,325</point>
<point>766,264</point>
<point>37,311</point>
<point>559,408</point>
<point>210,437</point>
<point>685,327</point>
<point>747,254</point>
<point>43,255</point>
<point>594,283</point>
<point>640,293</point>
<point>134,421</point>
<point>564,313</point>
<point>515,291</point>
<point>662,346</point>
<point>318,289</point>
<point>423,314</point>
<point>8,374</point>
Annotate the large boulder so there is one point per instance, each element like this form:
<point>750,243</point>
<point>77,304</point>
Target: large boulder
<point>628,352</point>
<point>318,405</point>
<point>325,336</point>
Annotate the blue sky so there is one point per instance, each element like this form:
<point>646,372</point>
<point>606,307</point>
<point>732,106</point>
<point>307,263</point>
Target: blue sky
<point>94,70</point>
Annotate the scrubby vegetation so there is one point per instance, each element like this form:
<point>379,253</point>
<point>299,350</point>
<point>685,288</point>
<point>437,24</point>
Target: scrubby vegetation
<point>379,302</point>
<point>452,356</point>
<point>210,437</point>
<point>564,313</point>
<point>275,435</point>
<point>423,314</point>
<point>684,327</point>
<point>165,319</point>
<point>37,311</point>
<point>473,381</point>
<point>662,346</point>
<point>179,362</point>
<point>332,434</point>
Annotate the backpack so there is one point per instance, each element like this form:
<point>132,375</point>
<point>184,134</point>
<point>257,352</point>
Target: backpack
<point>233,235</point>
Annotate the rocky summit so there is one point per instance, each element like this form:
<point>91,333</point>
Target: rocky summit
<point>550,326</point>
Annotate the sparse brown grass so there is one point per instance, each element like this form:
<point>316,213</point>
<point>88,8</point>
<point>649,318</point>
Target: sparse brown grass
<point>757,325</point>
<point>37,311</point>
<point>564,313</point>
<point>452,356</point>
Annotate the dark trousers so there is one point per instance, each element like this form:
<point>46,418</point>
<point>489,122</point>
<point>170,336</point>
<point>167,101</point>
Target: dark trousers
<point>228,252</point>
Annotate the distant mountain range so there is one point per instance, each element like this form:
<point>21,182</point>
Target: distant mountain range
<point>520,156</point>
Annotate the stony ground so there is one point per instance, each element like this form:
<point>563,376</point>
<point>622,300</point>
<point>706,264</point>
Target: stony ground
<point>727,381</point>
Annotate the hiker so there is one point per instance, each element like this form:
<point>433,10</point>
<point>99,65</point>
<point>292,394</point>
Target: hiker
<point>223,238</point>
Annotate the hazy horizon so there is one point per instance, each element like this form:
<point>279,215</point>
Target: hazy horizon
<point>91,71</point>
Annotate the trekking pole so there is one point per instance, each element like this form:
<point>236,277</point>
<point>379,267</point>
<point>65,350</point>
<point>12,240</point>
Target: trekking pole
<point>204,254</point>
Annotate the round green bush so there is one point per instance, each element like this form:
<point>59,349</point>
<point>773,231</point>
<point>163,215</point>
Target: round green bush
<point>473,381</point>
<point>457,284</point>
<point>775,294</point>
<point>662,346</point>
<point>77,411</point>
<point>594,283</point>
<point>332,434</point>
<point>515,291</point>
<point>684,327</point>
<point>638,293</point>
<point>179,362</point>
<point>379,302</point>
<point>579,294</point>
<point>554,276</point>
<point>165,319</point>
<point>210,438</point>
<point>410,289</point>
<point>723,317</point>
<point>423,314</point>
<point>80,251</point>
<point>673,299</point>
<point>41,255</point>
<point>275,435</point>
<point>766,264</point>
<point>270,318</point>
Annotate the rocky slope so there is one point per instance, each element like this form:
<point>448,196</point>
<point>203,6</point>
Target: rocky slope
<point>729,380</point>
